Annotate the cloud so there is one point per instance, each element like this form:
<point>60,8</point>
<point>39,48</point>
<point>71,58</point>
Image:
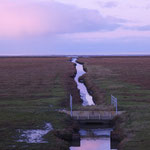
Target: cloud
<point>108,35</point>
<point>44,27</point>
<point>144,28</point>
<point>138,28</point>
<point>110,4</point>
<point>31,18</point>
<point>20,18</point>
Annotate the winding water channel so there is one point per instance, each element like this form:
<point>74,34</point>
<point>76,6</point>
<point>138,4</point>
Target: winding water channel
<point>85,96</point>
<point>92,137</point>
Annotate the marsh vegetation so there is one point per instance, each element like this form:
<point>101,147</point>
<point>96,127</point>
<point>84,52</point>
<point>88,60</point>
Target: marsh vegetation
<point>31,89</point>
<point>128,79</point>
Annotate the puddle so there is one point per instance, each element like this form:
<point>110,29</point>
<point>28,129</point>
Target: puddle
<point>85,96</point>
<point>35,136</point>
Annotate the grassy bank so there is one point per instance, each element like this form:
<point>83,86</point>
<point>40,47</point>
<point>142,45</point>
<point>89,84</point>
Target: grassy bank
<point>127,78</point>
<point>31,89</point>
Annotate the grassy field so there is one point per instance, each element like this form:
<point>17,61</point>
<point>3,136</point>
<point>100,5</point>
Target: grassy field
<point>128,79</point>
<point>30,91</point>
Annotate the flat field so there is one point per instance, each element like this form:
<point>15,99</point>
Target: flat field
<point>30,91</point>
<point>128,79</point>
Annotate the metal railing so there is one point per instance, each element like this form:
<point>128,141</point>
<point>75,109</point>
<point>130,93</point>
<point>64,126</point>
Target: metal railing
<point>114,103</point>
<point>98,117</point>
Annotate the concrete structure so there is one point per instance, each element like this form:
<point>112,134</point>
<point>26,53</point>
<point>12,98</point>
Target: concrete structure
<point>93,116</point>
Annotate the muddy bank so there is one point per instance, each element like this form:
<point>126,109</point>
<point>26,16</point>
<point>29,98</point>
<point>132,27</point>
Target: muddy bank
<point>118,134</point>
<point>68,135</point>
<point>72,87</point>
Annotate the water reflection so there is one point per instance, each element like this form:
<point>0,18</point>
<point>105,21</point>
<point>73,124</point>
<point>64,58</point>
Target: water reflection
<point>85,96</point>
<point>94,139</point>
<point>93,144</point>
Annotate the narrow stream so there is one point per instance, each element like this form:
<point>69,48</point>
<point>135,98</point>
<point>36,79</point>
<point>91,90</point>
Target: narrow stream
<point>92,137</point>
<point>85,96</point>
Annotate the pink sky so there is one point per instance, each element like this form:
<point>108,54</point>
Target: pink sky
<point>57,21</point>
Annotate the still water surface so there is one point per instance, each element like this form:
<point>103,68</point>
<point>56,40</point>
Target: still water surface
<point>36,135</point>
<point>94,139</point>
<point>85,96</point>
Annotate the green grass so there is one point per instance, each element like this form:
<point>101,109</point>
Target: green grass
<point>31,91</point>
<point>135,101</point>
<point>12,120</point>
<point>32,114</point>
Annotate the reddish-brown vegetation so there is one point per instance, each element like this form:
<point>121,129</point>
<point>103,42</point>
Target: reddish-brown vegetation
<point>130,69</point>
<point>33,78</point>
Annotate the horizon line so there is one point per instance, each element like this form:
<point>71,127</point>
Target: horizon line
<point>71,55</point>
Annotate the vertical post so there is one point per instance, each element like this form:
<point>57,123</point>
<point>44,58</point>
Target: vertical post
<point>114,102</point>
<point>116,107</point>
<point>70,105</point>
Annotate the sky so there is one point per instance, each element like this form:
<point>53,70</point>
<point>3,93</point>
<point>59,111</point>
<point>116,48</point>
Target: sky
<point>77,27</point>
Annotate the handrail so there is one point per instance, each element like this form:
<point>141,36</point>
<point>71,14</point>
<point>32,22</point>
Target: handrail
<point>114,102</point>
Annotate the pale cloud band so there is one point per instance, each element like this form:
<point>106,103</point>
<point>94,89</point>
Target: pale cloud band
<point>108,35</point>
